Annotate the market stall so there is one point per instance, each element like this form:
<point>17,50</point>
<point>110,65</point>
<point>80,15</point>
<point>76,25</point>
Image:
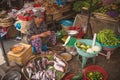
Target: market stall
<point>68,58</point>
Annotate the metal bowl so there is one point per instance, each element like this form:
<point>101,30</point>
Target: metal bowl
<point>12,75</point>
<point>17,48</point>
<point>71,50</point>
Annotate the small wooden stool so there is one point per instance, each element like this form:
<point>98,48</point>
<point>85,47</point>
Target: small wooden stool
<point>107,52</point>
<point>20,58</point>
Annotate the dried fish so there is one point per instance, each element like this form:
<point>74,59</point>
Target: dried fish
<point>30,65</point>
<point>59,61</point>
<point>54,75</point>
<point>41,74</point>
<point>58,67</point>
<point>50,62</point>
<point>44,62</point>
<point>29,71</point>
<point>37,75</point>
<point>33,77</point>
<point>39,63</point>
<point>44,68</point>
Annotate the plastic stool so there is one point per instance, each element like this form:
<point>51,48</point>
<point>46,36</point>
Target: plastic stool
<point>84,60</point>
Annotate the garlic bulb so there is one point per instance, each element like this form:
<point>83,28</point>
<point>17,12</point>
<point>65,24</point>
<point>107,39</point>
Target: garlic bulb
<point>90,50</point>
<point>96,48</point>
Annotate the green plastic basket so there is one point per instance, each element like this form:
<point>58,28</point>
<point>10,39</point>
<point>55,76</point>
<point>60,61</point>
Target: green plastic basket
<point>84,53</point>
<point>110,47</point>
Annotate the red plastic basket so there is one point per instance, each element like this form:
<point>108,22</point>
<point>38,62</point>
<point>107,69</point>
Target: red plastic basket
<point>24,18</point>
<point>95,68</point>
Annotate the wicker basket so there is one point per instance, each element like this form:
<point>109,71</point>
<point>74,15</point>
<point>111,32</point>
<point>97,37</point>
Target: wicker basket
<point>44,55</point>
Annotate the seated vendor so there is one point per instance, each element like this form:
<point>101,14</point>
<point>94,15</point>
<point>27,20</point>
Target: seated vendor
<point>37,33</point>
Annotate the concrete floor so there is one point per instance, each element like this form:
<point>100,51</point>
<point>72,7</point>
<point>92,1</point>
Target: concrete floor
<point>112,66</point>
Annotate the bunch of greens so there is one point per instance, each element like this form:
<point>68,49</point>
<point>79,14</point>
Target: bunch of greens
<point>61,34</point>
<point>78,5</point>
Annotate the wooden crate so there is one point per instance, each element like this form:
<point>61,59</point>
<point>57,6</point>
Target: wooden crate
<point>58,15</point>
<point>21,58</point>
<point>66,8</point>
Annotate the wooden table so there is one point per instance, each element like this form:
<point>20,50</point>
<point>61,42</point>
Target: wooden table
<point>3,49</point>
<point>2,35</point>
<point>98,22</point>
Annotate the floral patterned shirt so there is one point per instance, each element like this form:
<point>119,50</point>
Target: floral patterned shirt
<point>33,29</point>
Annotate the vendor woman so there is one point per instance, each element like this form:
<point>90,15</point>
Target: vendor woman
<point>37,33</point>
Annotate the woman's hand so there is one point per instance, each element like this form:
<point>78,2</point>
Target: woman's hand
<point>44,34</point>
<point>48,33</point>
<point>34,36</point>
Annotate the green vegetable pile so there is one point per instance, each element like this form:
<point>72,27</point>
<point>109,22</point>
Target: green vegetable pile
<point>61,34</point>
<point>102,9</point>
<point>94,75</point>
<point>78,5</point>
<point>108,37</point>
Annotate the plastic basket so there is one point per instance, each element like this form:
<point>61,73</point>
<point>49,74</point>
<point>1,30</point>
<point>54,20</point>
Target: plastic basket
<point>95,68</point>
<point>84,53</point>
<point>110,47</point>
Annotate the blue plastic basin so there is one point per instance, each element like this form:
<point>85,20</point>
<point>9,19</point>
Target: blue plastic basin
<point>66,23</point>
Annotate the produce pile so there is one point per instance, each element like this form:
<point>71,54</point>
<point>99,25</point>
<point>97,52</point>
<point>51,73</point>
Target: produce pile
<point>60,35</point>
<point>112,9</point>
<point>48,67</point>
<point>94,75</point>
<point>49,6</point>
<point>78,5</point>
<point>102,10</point>
<point>108,37</point>
<point>87,48</point>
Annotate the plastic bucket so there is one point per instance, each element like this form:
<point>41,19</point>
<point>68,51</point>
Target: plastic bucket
<point>66,24</point>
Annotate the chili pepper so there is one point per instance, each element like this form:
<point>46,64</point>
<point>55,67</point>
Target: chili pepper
<point>69,76</point>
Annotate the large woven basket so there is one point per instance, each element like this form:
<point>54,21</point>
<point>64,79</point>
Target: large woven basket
<point>84,53</point>
<point>44,55</point>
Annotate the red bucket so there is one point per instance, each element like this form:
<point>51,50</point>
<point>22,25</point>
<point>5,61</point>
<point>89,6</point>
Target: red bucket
<point>95,68</point>
<point>79,29</point>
